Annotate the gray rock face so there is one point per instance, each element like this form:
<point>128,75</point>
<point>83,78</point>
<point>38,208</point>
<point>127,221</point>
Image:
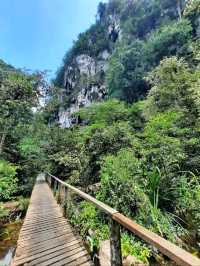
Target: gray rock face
<point>77,78</point>
<point>84,98</point>
<point>114,28</point>
<point>86,65</point>
<point>84,77</point>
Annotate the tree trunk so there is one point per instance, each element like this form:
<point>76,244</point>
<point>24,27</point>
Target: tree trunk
<point>3,137</point>
<point>179,8</point>
<point>115,244</point>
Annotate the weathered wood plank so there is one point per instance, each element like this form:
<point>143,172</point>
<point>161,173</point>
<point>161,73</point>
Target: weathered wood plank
<point>46,238</point>
<point>44,246</point>
<point>49,250</point>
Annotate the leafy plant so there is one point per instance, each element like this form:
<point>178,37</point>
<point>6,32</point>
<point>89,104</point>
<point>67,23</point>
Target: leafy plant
<point>8,180</point>
<point>131,246</point>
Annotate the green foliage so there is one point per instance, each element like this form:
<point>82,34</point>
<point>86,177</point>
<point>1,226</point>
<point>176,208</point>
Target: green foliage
<point>8,180</point>
<point>192,12</point>
<point>194,58</point>
<point>188,200</point>
<point>168,40</point>
<point>131,246</point>
<point>162,154</point>
<point>124,75</point>
<point>127,66</point>
<point>192,9</point>
<point>18,95</point>
<point>150,26</point>
<point>28,146</point>
<point>174,86</point>
<point>123,188</point>
<point>23,204</point>
<point>145,156</point>
<point>4,213</point>
<point>92,41</point>
<point>88,218</point>
<point>118,180</point>
<point>100,112</point>
<point>136,116</point>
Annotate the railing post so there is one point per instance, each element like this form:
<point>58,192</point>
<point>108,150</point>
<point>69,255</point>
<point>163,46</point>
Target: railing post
<point>62,199</point>
<point>115,244</point>
<point>68,199</point>
<point>59,193</point>
<point>50,181</point>
<point>55,187</point>
<point>65,202</point>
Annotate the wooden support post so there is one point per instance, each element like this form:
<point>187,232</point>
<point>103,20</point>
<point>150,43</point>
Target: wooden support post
<point>59,193</point>
<point>115,244</point>
<point>49,181</point>
<point>55,187</point>
<point>64,201</point>
<point>52,182</point>
<point>68,199</point>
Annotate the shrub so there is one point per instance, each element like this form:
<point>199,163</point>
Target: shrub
<point>174,86</point>
<point>106,113</point>
<point>162,156</point>
<point>192,9</point>
<point>8,180</point>
<point>29,147</point>
<point>102,141</point>
<point>188,200</point>
<point>123,186</point>
<point>132,246</point>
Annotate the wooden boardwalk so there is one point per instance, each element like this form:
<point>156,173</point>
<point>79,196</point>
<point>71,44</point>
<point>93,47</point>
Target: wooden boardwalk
<point>46,238</point>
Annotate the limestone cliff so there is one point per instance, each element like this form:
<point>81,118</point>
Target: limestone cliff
<point>82,75</point>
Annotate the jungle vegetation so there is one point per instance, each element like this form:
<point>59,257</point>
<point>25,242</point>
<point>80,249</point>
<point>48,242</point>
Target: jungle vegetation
<point>140,147</point>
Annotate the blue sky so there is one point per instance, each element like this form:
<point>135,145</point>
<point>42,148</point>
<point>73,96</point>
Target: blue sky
<point>35,34</point>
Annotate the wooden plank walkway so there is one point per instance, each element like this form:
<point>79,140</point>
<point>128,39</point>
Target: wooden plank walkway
<point>46,238</point>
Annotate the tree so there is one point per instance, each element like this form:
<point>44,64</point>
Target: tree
<point>192,12</point>
<point>101,10</point>
<point>174,86</point>
<point>124,77</point>
<point>18,94</point>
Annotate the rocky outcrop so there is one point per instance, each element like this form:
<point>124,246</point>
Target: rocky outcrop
<point>84,98</point>
<point>86,65</point>
<point>82,82</point>
<point>114,28</point>
<point>83,75</point>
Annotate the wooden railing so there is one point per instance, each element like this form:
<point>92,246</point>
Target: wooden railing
<point>175,253</point>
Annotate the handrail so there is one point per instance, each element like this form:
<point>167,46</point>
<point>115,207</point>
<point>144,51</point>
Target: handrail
<point>175,253</point>
<point>110,211</point>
